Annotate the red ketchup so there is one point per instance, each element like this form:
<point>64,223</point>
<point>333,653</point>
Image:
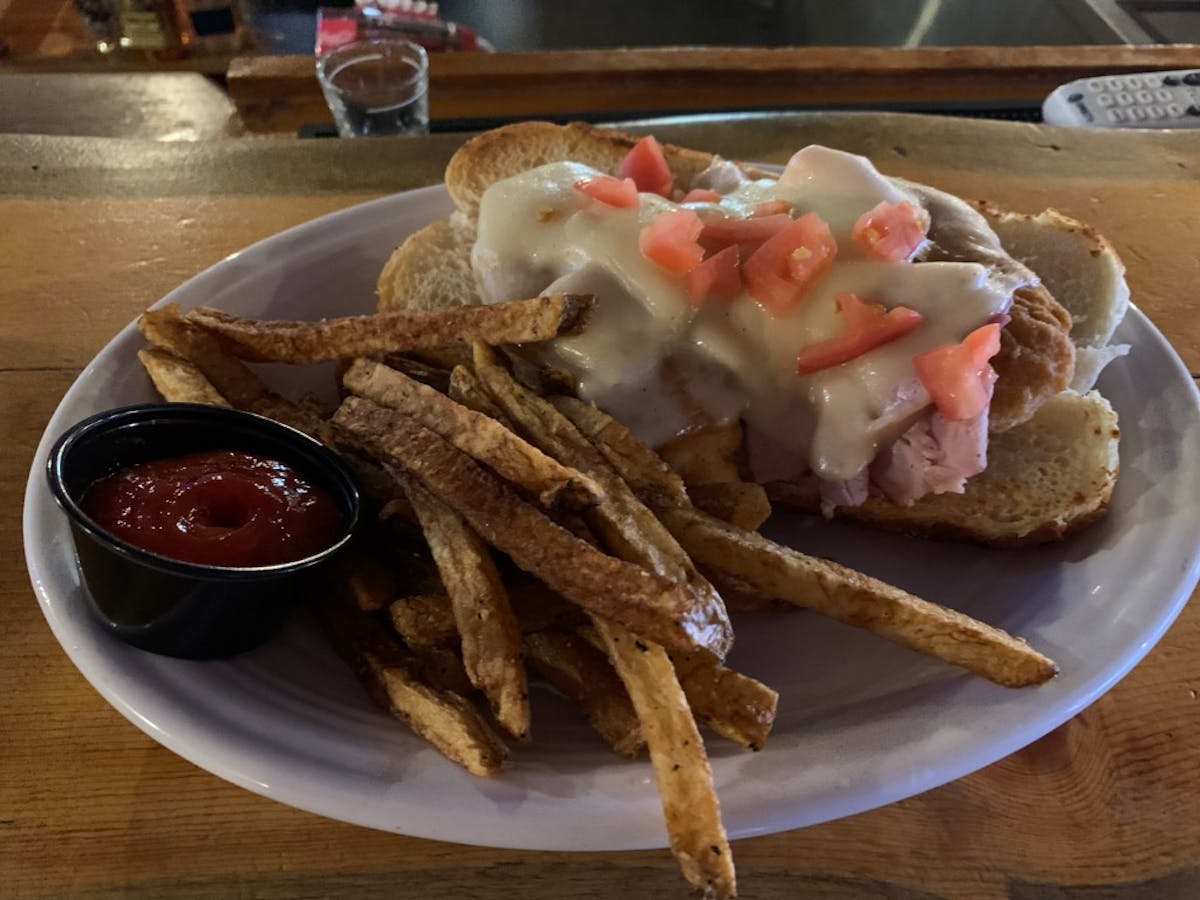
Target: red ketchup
<point>220,507</point>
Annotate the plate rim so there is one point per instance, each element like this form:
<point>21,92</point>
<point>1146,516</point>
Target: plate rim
<point>1050,717</point>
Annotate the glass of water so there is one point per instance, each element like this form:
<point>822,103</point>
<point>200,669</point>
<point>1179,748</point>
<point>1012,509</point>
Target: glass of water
<point>376,87</point>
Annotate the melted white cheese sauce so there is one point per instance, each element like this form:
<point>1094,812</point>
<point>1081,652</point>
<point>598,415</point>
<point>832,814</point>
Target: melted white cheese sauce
<point>661,365</point>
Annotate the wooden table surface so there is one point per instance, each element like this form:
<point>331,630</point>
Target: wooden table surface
<point>93,230</point>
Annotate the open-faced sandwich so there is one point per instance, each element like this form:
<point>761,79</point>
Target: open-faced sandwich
<point>863,345</point>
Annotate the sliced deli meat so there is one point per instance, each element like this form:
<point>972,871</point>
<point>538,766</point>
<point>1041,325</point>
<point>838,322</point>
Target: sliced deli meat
<point>753,299</point>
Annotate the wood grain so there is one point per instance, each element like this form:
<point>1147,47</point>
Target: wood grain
<point>1104,807</point>
<point>280,93</point>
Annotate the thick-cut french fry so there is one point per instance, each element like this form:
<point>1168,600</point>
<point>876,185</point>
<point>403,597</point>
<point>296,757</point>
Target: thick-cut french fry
<point>681,768</point>
<point>518,322</point>
<point>733,705</point>
<point>427,620</point>
<point>857,599</point>
<point>369,583</point>
<point>418,370</point>
<point>424,620</point>
<point>648,604</point>
<point>583,673</point>
<point>442,668</point>
<point>491,640</point>
<point>482,438</point>
<point>706,455</point>
<point>643,469</point>
<point>177,380</point>
<point>538,607</point>
<point>740,597</point>
<point>444,357</point>
<point>167,329</point>
<point>392,677</point>
<point>836,591</point>
<point>626,526</point>
<point>741,503</point>
<point>465,389</point>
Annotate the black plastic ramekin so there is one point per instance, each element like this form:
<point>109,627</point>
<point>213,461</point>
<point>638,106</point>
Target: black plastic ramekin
<point>166,605</point>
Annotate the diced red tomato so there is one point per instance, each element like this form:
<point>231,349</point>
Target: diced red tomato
<point>778,273</point>
<point>647,166</point>
<point>701,195</point>
<point>866,326</point>
<point>669,241</point>
<point>891,232</point>
<point>718,276</point>
<point>729,230</point>
<point>958,376</point>
<point>771,208</point>
<point>619,192</point>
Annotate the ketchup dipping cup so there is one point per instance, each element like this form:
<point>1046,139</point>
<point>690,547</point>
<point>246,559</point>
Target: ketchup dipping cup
<point>165,605</point>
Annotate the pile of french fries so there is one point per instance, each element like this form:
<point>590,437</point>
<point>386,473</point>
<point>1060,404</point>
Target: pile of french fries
<point>518,532</point>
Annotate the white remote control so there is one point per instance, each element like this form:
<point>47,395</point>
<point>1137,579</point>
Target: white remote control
<point>1141,100</point>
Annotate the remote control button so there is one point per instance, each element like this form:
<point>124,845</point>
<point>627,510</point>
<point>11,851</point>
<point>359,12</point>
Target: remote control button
<point>1193,110</point>
<point>1125,98</point>
<point>1154,111</point>
<point>1132,82</point>
<point>1113,84</point>
<point>1105,100</point>
<point>1137,113</point>
<point>1116,115</point>
<point>1074,98</point>
<point>1162,96</point>
<point>1145,97</point>
<point>1192,78</point>
<point>1170,80</point>
<point>1174,110</point>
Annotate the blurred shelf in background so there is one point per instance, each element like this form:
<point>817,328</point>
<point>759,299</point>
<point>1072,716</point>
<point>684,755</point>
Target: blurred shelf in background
<point>48,33</point>
<point>983,57</point>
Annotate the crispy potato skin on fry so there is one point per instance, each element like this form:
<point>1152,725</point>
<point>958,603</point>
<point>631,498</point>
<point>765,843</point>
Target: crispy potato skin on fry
<point>733,705</point>
<point>465,389</point>
<point>177,380</point>
<point>480,437</point>
<point>774,571</point>
<point>518,322</point>
<point>740,503</point>
<point>491,640</point>
<point>424,620</point>
<point>368,582</point>
<point>166,329</point>
<point>706,455</point>
<point>681,769</point>
<point>651,604</point>
<point>442,668</point>
<point>585,676</point>
<point>627,528</point>
<point>859,600</point>
<point>391,677</point>
<point>644,470</point>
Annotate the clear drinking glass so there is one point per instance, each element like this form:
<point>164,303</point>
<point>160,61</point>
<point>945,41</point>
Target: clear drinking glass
<point>376,87</point>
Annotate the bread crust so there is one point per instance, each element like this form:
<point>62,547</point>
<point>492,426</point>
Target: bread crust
<point>1047,479</point>
<point>1035,363</point>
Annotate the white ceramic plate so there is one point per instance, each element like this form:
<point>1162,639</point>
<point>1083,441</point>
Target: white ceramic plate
<point>861,722</point>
